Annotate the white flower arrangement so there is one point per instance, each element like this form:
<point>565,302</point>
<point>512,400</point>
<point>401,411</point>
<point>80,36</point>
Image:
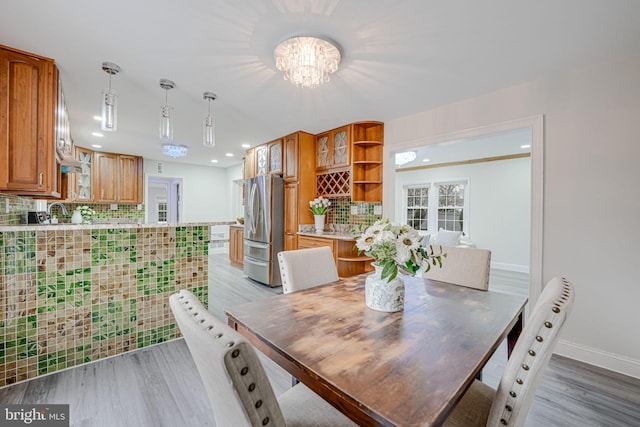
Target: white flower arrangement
<point>86,212</point>
<point>319,205</point>
<point>397,247</point>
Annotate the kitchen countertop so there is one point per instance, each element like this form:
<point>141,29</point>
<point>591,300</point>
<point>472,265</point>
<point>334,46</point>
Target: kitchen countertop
<point>330,235</point>
<point>64,226</point>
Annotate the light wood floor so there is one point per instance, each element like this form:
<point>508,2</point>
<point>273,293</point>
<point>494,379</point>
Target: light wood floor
<point>159,385</point>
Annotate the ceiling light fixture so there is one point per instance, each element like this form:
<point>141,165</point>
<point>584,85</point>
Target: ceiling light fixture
<point>98,134</point>
<point>166,124</point>
<point>405,157</point>
<point>208,135</point>
<point>307,61</point>
<point>174,150</point>
<point>109,100</point>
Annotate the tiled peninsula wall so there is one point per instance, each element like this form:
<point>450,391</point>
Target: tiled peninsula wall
<point>75,294</point>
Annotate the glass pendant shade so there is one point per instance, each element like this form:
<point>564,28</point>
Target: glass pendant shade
<point>166,123</point>
<point>208,134</point>
<point>109,122</point>
<point>166,126</point>
<point>109,110</point>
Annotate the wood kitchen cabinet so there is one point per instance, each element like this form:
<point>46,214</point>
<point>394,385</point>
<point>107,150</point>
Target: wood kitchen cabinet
<point>117,178</point>
<point>236,245</point>
<point>250,163</point>
<point>345,255</point>
<point>29,93</point>
<point>275,156</point>
<point>299,185</point>
<point>83,179</point>
<point>333,149</point>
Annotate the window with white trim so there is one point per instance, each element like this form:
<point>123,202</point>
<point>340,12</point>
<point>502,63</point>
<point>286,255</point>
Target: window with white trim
<point>435,205</point>
<point>161,208</point>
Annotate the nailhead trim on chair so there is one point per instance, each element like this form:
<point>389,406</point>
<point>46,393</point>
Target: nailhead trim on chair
<point>537,347</point>
<point>236,355</point>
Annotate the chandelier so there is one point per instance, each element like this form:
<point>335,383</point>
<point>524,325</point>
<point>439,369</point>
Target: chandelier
<point>307,61</point>
<point>174,150</point>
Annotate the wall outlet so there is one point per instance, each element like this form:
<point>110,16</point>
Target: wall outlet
<point>354,210</point>
<point>113,206</point>
<point>377,210</point>
<point>139,207</point>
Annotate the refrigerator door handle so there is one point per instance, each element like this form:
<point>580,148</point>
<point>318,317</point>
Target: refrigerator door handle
<point>252,208</point>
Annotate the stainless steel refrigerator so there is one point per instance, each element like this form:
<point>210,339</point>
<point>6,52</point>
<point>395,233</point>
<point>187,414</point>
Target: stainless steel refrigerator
<point>263,228</point>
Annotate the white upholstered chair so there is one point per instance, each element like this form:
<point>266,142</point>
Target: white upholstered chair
<point>468,267</point>
<point>235,381</point>
<point>304,268</point>
<point>509,405</point>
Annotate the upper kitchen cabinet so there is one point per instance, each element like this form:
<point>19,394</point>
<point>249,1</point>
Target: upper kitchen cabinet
<point>366,158</point>
<point>275,156</point>
<point>332,149</point>
<point>262,156</point>
<point>29,93</point>
<point>83,180</point>
<point>117,178</point>
<point>250,163</point>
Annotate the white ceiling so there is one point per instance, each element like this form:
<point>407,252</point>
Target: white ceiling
<point>399,58</point>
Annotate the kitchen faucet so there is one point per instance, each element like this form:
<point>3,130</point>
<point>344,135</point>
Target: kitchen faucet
<point>64,209</point>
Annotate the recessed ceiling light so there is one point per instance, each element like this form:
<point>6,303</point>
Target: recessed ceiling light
<point>214,161</point>
<point>98,118</point>
<point>98,134</point>
<point>96,146</point>
<point>525,146</point>
<point>426,160</point>
<point>229,154</point>
<point>246,145</point>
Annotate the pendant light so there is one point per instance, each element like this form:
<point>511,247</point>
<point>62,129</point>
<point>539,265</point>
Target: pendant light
<point>208,135</point>
<point>109,121</point>
<point>166,123</point>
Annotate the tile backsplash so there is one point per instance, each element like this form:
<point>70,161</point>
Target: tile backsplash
<point>12,208</point>
<point>340,212</point>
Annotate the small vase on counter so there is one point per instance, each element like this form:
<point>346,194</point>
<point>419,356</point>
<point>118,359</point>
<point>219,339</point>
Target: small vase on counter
<point>318,221</point>
<point>76,218</point>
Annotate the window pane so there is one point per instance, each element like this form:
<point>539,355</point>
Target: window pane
<point>418,207</point>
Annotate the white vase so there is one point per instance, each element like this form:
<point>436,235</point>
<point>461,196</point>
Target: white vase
<point>382,296</point>
<point>318,221</point>
<point>76,218</point>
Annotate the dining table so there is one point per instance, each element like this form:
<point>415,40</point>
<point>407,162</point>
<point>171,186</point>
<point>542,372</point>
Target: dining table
<point>407,368</point>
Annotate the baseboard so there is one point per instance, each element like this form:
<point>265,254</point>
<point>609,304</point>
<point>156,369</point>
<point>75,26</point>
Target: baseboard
<point>613,362</point>
<point>510,267</point>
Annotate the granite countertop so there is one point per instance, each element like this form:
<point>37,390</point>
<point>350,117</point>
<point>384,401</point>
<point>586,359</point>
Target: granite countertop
<point>329,235</point>
<point>65,226</point>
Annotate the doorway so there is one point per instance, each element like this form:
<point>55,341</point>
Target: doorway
<point>163,200</point>
<point>535,125</point>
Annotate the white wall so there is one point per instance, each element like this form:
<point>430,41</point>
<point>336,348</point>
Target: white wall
<point>234,173</point>
<point>499,205</point>
<point>204,193</point>
<point>591,213</point>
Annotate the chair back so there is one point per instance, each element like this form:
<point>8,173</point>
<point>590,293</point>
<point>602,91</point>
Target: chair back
<point>237,386</point>
<point>531,354</point>
<point>305,268</point>
<point>463,266</point>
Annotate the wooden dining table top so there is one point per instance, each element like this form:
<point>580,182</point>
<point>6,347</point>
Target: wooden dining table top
<point>408,368</point>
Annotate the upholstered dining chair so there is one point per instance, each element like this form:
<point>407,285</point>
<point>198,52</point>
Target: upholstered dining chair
<point>509,404</point>
<point>234,378</point>
<point>463,266</point>
<point>304,268</point>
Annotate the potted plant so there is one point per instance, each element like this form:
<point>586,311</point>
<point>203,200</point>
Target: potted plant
<point>395,248</point>
<point>319,207</point>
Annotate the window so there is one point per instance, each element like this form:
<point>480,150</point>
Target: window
<point>435,205</point>
<point>162,211</point>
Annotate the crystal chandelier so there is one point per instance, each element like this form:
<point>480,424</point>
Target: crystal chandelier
<point>109,120</point>
<point>307,61</point>
<point>174,150</point>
